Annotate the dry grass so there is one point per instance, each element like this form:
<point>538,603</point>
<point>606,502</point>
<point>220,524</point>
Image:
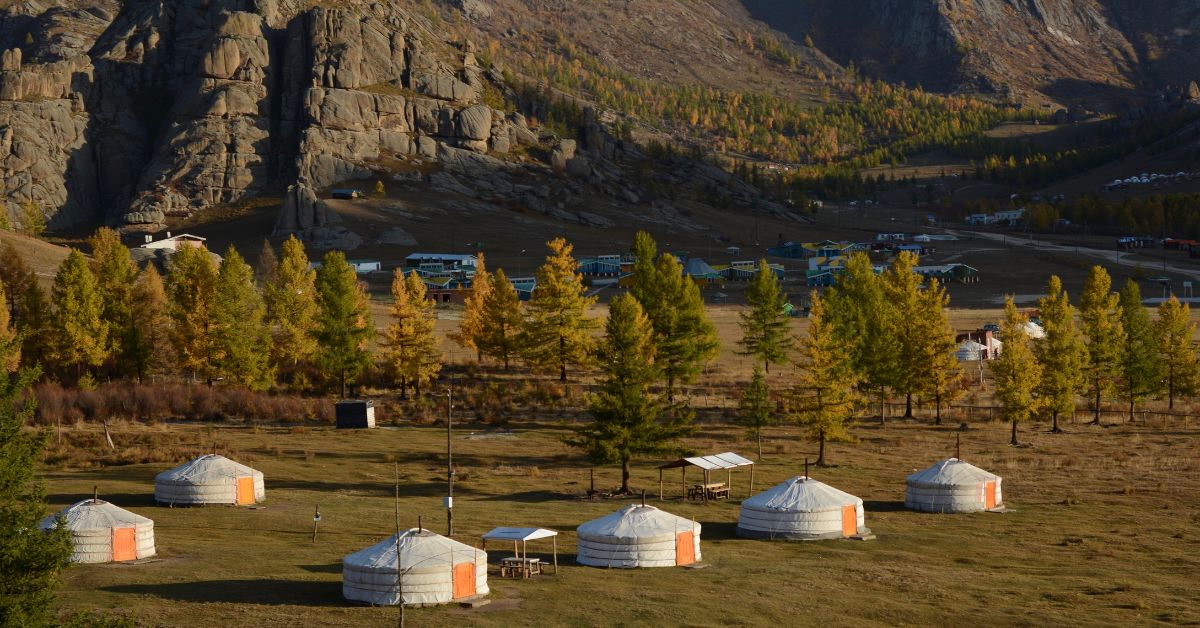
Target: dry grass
<point>1103,524</point>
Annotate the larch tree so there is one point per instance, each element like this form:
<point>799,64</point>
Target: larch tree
<point>645,274</point>
<point>860,316</point>
<point>28,306</point>
<point>10,342</point>
<point>1101,317</point>
<point>191,291</point>
<point>557,333</point>
<point>1017,372</point>
<point>410,348</point>
<point>1062,354</point>
<point>766,328</point>
<point>115,276</point>
<point>825,397</point>
<point>344,326</point>
<point>242,338</point>
<point>1175,330</point>
<point>148,347</point>
<point>290,294</point>
<point>1141,370</point>
<point>628,420</point>
<point>503,321</point>
<point>81,335</point>
<point>902,290</point>
<point>471,329</point>
<point>268,264</point>
<point>31,560</point>
<point>755,410</point>
<point>938,372</point>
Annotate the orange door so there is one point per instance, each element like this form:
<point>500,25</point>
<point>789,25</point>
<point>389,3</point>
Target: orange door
<point>849,520</point>
<point>124,544</point>
<point>685,548</point>
<point>245,491</point>
<point>464,580</point>
<point>989,495</point>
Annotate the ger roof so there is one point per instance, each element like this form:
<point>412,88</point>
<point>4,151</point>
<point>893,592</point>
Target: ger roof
<point>727,460</point>
<point>420,550</point>
<point>93,514</point>
<point>951,472</point>
<point>205,469</point>
<point>800,494</point>
<point>636,523</point>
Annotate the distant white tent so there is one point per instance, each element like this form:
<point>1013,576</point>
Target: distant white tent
<point>433,570</point>
<point>638,536</point>
<point>969,351</point>
<point>953,486</point>
<point>102,532</point>
<point>209,479</point>
<point>804,509</point>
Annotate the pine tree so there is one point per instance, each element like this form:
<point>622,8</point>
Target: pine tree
<point>344,325</point>
<point>1016,371</point>
<point>28,308</point>
<point>938,371</point>
<point>755,409</point>
<point>473,321</point>
<point>148,345</point>
<point>1098,309</point>
<point>115,276</point>
<point>825,397</point>
<point>191,291</point>
<point>1061,354</point>
<point>628,420</point>
<point>242,339</point>
<point>1174,331</point>
<point>80,332</point>
<point>766,327</point>
<point>860,317</point>
<point>502,321</point>
<point>291,299</point>
<point>645,275</point>
<point>1141,371</point>
<point>557,332</point>
<point>31,560</point>
<point>410,348</point>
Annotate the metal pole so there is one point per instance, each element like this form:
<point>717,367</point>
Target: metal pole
<point>399,580</point>
<point>449,465</point>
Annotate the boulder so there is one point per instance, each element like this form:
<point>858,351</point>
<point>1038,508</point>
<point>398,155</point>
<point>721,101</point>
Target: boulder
<point>562,153</point>
<point>475,123</point>
<point>302,210</point>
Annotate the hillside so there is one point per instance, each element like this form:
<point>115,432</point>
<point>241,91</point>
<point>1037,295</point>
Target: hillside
<point>41,256</point>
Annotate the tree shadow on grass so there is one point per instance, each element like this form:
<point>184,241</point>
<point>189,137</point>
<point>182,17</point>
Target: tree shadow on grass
<point>330,568</point>
<point>533,497</point>
<point>883,506</point>
<point>124,500</point>
<point>265,592</point>
<point>715,531</point>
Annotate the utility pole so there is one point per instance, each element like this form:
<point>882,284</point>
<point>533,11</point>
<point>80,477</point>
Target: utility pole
<point>449,465</point>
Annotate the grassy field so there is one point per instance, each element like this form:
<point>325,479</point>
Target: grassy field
<point>1103,530</point>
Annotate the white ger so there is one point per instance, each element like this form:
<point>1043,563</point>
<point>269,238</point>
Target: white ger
<point>802,509</point>
<point>638,536</point>
<point>433,570</point>
<point>953,486</point>
<point>209,479</point>
<point>102,532</point>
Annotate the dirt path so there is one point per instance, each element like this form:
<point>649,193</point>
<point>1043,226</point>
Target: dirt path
<point>1114,257</point>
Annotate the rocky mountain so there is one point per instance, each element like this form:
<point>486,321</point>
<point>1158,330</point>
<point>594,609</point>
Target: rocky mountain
<point>136,112</point>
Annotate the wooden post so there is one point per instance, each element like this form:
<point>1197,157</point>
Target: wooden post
<point>660,484</point>
<point>958,445</point>
<point>591,481</point>
<point>704,488</point>
<point>683,479</point>
<point>751,492</point>
<point>554,541</point>
<point>95,494</point>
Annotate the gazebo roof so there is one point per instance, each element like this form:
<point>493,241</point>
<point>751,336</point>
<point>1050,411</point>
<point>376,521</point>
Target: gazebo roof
<point>727,460</point>
<point>519,534</point>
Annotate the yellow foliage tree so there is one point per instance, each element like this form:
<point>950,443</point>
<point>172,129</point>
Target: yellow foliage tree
<point>410,347</point>
<point>557,334</point>
<point>473,319</point>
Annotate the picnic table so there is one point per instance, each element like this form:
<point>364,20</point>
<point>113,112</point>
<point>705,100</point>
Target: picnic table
<point>714,490</point>
<point>520,567</point>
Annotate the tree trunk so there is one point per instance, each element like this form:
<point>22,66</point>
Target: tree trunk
<point>937,408</point>
<point>1054,429</point>
<point>670,387</point>
<point>908,405</point>
<point>343,383</point>
<point>821,448</point>
<point>758,435</point>
<point>766,367</point>
<point>1013,442</point>
<point>403,389</point>
<point>625,475</point>
<point>1096,408</point>
<point>562,356</point>
<point>1131,405</point>
<point>882,405</point>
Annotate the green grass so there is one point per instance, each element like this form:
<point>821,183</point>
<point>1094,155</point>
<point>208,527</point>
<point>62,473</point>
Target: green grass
<point>1103,532</point>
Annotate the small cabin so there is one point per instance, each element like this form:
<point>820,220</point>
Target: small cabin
<point>355,414</point>
<point>348,194</point>
<point>363,266</point>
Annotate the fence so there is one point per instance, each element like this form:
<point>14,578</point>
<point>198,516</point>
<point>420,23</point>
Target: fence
<point>971,413</point>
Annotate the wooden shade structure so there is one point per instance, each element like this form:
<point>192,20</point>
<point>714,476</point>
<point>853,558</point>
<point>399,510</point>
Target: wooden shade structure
<point>523,536</point>
<point>727,461</point>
